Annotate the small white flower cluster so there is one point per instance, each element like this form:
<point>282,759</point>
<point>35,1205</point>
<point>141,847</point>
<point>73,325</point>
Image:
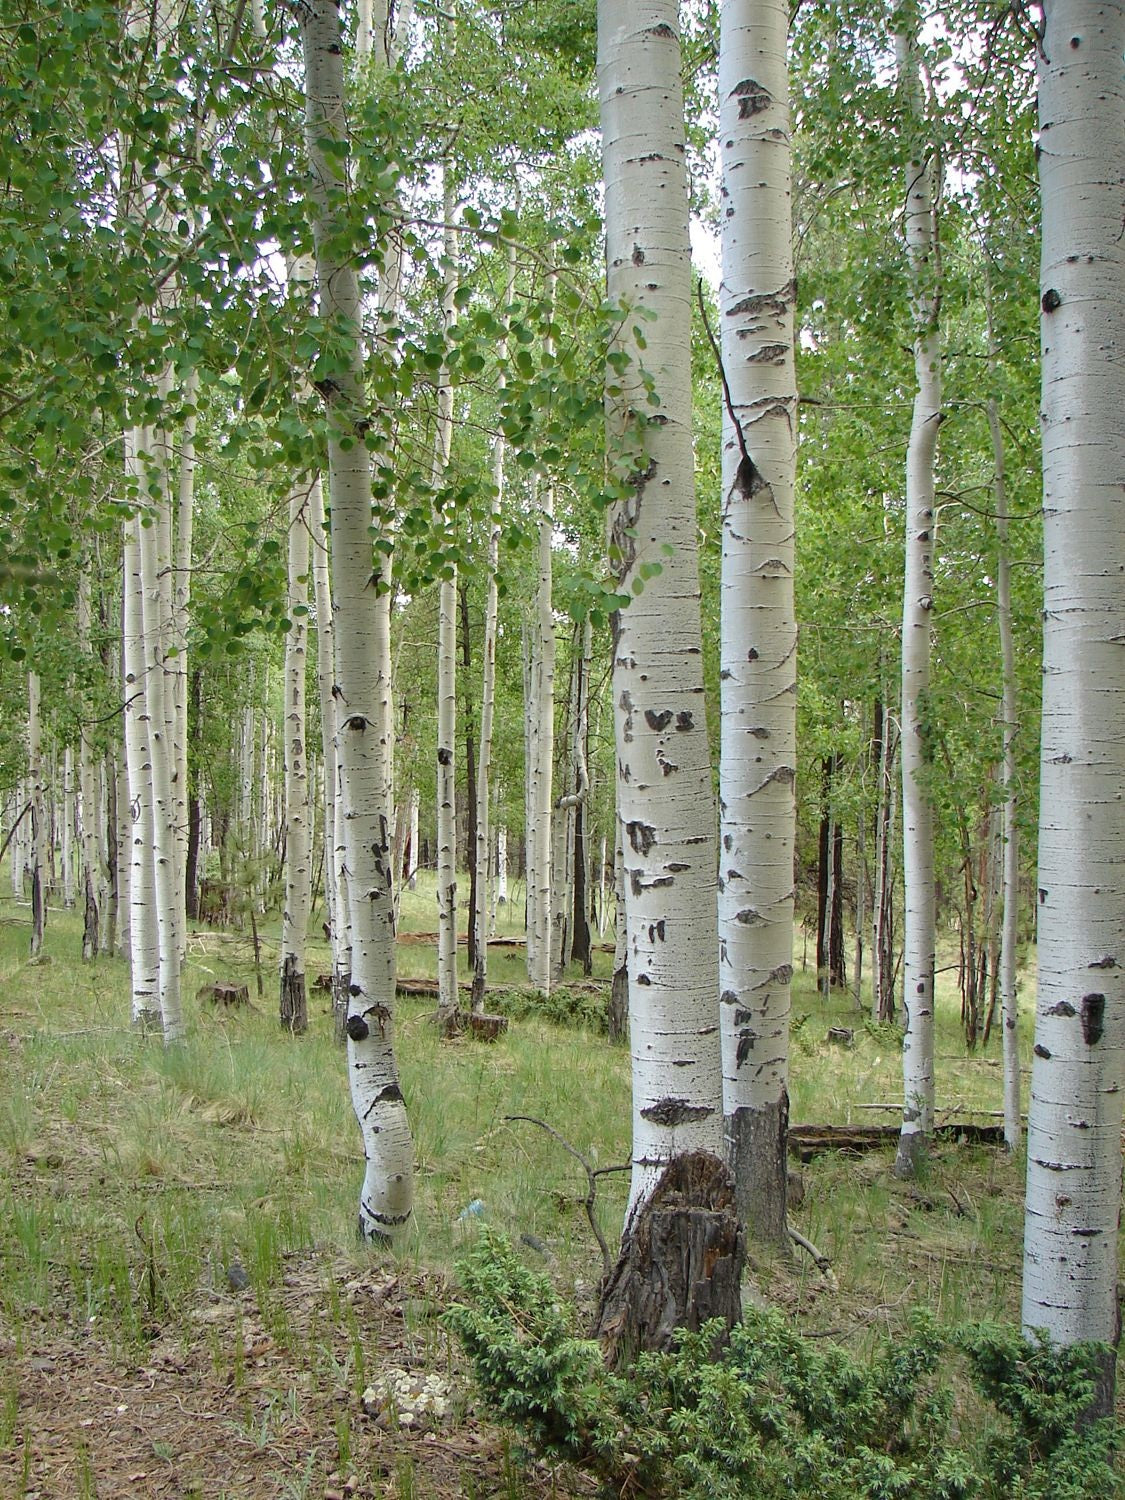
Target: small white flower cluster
<point>408,1398</point>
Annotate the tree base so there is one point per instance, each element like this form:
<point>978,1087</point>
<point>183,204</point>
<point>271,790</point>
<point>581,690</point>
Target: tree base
<point>230,995</point>
<point>680,1264</point>
<point>757,1144</point>
<point>294,1010</point>
<point>910,1156</point>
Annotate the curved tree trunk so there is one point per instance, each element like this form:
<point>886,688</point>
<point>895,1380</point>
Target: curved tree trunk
<point>365,721</point>
<point>664,789</point>
<point>917,608</point>
<point>1078,1075</point>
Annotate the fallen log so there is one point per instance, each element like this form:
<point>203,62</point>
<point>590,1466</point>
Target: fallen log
<point>807,1141</point>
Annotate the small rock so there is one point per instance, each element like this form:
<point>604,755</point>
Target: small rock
<point>237,1278</point>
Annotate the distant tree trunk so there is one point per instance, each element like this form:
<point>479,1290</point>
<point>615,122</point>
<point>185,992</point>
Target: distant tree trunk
<point>1073,1199</point>
<point>471,808</point>
<point>664,787</point>
<point>446,788</point>
<point>293,1001</point>
<point>917,621</point>
<point>87,792</point>
<point>884,742</point>
<point>144,952</point>
<point>37,782</point>
<point>1009,712</point>
<point>539,707</point>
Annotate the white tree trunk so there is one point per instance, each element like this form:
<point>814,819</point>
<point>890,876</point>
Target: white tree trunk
<point>335,893</point>
<point>488,682</point>
<point>365,722</point>
<point>298,841</point>
<point>758,628</point>
<point>917,607</point>
<point>88,800</point>
<point>66,843</point>
<point>1009,837</point>
<point>36,780</point>
<point>155,571</point>
<point>1078,1075</point>
<point>446,791</point>
<point>144,949</point>
<point>539,706</point>
<point>665,796</point>
<point>178,665</point>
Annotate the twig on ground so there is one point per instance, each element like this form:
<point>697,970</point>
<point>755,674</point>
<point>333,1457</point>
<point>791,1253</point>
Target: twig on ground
<point>823,1264</point>
<point>592,1175</point>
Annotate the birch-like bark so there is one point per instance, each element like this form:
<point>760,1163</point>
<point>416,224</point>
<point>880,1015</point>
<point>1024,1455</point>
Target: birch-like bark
<point>66,833</point>
<point>155,574</point>
<point>88,804</point>
<point>917,607</point>
<point>539,702</point>
<point>365,724</point>
<point>180,622</point>
<point>1009,882</point>
<point>293,1004</point>
<point>488,681</point>
<point>36,780</point>
<point>665,797</point>
<point>1078,1074</point>
<point>759,631</point>
<point>335,892</point>
<point>144,949</point>
<point>446,789</point>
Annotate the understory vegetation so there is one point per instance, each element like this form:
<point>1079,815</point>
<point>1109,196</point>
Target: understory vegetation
<point>177,1241</point>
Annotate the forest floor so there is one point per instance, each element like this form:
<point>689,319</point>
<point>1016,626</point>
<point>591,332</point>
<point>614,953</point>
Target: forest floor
<point>183,1309</point>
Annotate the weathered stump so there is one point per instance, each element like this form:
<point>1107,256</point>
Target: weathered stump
<point>484,1027</point>
<point>323,983</point>
<point>680,1264</point>
<point>230,995</point>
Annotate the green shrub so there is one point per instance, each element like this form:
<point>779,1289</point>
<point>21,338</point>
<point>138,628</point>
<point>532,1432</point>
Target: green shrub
<point>781,1416</point>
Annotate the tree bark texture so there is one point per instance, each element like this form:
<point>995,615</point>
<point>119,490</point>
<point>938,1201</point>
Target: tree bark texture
<point>665,798</point>
<point>680,1264</point>
<point>1078,1073</point>
<point>365,724</point>
<point>758,623</point>
<point>917,614</point>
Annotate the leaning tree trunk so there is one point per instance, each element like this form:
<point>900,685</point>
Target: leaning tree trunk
<point>917,608</point>
<point>665,796</point>
<point>757,767</point>
<point>293,1000</point>
<point>365,718</point>
<point>1078,1075</point>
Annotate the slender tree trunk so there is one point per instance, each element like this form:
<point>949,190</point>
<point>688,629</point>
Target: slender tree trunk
<point>482,841</point>
<point>293,1002</point>
<point>664,788</point>
<point>758,625</point>
<point>179,666</point>
<point>1009,712</point>
<point>37,783</point>
<point>539,702</point>
<point>470,772</point>
<point>90,865</point>
<point>1078,1075</point>
<point>446,790</point>
<point>365,718</point>
<point>144,950</point>
<point>917,609</point>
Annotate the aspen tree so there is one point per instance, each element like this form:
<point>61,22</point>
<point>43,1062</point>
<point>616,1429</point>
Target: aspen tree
<point>665,798</point>
<point>917,613</point>
<point>759,628</point>
<point>364,721</point>
<point>1078,1073</point>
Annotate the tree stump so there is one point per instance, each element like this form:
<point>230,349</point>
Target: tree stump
<point>484,1027</point>
<point>230,995</point>
<point>680,1264</point>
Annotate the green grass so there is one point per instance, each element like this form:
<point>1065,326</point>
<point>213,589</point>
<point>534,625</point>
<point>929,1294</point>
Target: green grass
<point>130,1176</point>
